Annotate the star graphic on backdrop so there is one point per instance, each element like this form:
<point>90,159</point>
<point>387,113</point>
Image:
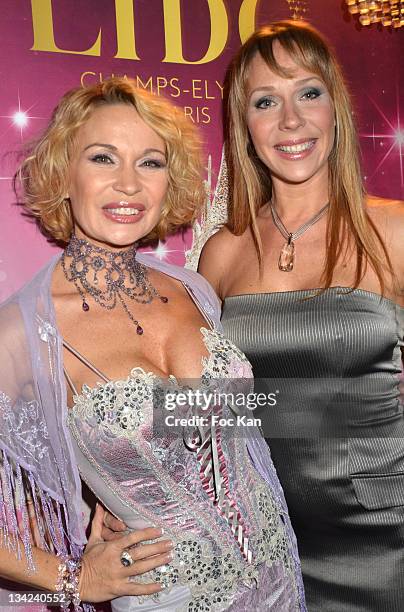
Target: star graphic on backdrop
<point>162,252</point>
<point>395,136</point>
<point>20,118</point>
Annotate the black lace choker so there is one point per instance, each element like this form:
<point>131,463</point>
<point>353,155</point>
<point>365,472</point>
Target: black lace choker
<point>87,266</point>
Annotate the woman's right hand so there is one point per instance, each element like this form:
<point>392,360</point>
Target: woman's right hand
<point>103,577</point>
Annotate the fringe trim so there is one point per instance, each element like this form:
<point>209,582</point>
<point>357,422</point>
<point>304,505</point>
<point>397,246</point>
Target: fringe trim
<point>29,516</point>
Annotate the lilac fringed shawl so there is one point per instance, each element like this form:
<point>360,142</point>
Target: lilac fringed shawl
<point>36,454</point>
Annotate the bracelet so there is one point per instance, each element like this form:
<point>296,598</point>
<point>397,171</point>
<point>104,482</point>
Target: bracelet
<point>67,583</point>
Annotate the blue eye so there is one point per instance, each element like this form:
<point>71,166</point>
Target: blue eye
<point>101,158</point>
<point>265,102</point>
<point>311,94</point>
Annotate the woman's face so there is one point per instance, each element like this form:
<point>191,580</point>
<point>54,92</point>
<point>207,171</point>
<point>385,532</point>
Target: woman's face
<point>118,177</point>
<point>290,120</point>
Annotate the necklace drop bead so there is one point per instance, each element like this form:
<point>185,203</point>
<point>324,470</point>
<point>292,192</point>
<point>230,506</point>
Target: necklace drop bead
<point>286,259</point>
<point>124,277</point>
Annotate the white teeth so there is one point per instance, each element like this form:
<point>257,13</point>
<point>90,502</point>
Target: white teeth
<point>124,211</point>
<point>298,148</point>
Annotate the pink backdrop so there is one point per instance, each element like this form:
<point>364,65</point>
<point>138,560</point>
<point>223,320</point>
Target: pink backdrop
<point>140,38</point>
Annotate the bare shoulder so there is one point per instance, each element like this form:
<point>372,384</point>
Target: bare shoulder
<point>383,210</point>
<point>223,239</point>
<point>14,351</point>
<point>388,217</point>
<point>217,256</point>
<point>11,325</point>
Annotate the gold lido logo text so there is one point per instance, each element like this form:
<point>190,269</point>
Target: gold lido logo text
<point>44,34</point>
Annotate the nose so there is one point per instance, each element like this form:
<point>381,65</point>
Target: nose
<point>126,180</point>
<point>291,118</point>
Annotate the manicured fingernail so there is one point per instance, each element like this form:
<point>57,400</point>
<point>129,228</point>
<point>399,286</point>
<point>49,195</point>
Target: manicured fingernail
<point>162,587</point>
<point>160,529</point>
<point>169,544</point>
<point>170,556</point>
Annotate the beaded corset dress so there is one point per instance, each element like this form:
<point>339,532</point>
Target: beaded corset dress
<point>232,549</point>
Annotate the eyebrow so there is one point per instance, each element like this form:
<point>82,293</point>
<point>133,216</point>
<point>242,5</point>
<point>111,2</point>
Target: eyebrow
<point>298,83</point>
<point>104,145</point>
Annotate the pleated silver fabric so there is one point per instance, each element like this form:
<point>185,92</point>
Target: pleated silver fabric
<point>337,440</point>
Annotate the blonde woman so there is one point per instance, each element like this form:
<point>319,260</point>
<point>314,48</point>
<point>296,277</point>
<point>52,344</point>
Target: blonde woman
<point>310,270</point>
<point>88,349</point>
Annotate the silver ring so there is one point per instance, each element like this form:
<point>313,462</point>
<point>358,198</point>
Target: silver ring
<point>126,559</point>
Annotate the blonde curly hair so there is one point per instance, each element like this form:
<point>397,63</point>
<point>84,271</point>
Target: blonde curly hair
<point>44,171</point>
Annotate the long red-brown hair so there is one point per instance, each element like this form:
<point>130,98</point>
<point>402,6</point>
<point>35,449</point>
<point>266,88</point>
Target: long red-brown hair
<point>250,182</point>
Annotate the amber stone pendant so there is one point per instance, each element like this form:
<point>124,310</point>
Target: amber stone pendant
<point>287,257</point>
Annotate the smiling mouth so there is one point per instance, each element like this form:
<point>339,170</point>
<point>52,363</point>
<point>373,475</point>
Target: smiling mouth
<point>296,148</point>
<point>123,211</point>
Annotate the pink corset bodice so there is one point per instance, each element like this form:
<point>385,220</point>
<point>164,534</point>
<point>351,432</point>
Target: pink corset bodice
<point>225,521</point>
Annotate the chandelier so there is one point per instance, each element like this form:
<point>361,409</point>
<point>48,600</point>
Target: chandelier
<point>387,12</point>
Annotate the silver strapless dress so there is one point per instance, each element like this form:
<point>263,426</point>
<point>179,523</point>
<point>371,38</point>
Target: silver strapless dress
<point>337,438</point>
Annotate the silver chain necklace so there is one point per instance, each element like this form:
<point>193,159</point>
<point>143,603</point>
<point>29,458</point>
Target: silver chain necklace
<point>287,254</point>
<point>120,272</point>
